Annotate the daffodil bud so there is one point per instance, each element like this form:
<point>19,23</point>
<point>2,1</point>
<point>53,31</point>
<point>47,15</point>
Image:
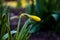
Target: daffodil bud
<point>35,18</point>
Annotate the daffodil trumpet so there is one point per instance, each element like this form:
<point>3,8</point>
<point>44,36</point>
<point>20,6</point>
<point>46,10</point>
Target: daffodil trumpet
<point>35,18</point>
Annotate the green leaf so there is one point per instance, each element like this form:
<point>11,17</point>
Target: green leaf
<point>3,20</point>
<point>23,30</point>
<point>27,34</point>
<point>30,9</point>
<point>17,33</point>
<point>8,26</point>
<point>6,35</point>
<point>35,27</point>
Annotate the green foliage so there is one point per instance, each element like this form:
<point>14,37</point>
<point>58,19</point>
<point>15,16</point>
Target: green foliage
<point>24,31</point>
<point>45,9</point>
<point>23,34</point>
<point>3,21</point>
<point>19,3</point>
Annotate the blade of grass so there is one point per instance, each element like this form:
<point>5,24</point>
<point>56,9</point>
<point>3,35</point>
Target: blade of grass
<point>23,28</point>
<point>27,34</point>
<point>0,17</point>
<point>18,27</point>
<point>8,27</point>
<point>27,38</point>
<point>9,33</point>
<point>6,35</point>
<point>3,21</point>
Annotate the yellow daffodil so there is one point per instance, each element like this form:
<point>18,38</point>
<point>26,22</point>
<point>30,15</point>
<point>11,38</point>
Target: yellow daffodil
<point>14,3</point>
<point>35,18</point>
<point>10,4</point>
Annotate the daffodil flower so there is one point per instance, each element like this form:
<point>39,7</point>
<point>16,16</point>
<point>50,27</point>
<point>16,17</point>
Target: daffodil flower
<point>35,18</point>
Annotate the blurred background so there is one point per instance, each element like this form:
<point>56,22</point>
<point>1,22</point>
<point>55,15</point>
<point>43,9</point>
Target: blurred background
<point>47,10</point>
